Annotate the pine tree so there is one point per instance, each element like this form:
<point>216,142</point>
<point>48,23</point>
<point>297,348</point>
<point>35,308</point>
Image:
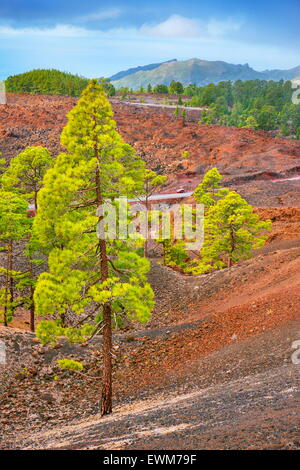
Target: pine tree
<point>25,176</point>
<point>174,253</point>
<point>14,226</point>
<point>107,86</point>
<point>232,231</point>
<point>26,172</point>
<point>172,236</point>
<point>176,112</point>
<point>99,279</point>
<point>210,190</point>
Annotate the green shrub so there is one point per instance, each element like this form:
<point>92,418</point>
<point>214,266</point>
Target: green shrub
<point>69,364</point>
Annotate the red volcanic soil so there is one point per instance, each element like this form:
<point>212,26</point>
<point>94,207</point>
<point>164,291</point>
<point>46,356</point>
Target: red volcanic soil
<point>213,368</point>
<point>241,155</point>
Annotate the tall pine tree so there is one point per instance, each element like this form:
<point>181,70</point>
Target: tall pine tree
<point>100,279</point>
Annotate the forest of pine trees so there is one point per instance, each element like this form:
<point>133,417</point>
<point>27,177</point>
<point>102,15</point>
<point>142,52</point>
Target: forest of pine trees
<point>254,104</point>
<point>47,82</point>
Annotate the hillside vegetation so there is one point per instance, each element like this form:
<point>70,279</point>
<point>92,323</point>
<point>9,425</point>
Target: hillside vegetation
<point>48,82</point>
<point>254,104</point>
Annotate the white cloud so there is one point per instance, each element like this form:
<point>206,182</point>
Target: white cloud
<point>60,30</point>
<point>112,13</point>
<point>177,26</point>
<point>174,27</point>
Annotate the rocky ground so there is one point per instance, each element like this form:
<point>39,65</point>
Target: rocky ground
<point>222,345</point>
<point>243,414</point>
<point>213,368</point>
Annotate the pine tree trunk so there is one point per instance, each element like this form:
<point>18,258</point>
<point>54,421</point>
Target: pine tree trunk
<point>32,326</point>
<point>35,200</point>
<point>106,397</point>
<point>10,267</point>
<point>5,301</point>
<point>32,310</point>
<point>9,284</point>
<point>6,289</point>
<point>232,247</point>
<point>147,228</point>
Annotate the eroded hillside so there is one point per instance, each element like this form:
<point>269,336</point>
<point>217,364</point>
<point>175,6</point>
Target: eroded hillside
<point>248,159</point>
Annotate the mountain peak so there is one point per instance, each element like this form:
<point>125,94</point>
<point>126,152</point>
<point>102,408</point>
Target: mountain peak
<point>194,70</point>
<point>131,71</point>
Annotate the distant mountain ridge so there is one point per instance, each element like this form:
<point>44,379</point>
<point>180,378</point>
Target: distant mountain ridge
<point>133,70</point>
<point>200,72</point>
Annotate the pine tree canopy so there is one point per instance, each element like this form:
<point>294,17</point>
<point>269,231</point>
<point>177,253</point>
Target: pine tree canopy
<point>97,166</point>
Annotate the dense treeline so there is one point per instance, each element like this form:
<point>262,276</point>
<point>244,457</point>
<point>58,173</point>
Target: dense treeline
<point>255,104</point>
<point>48,82</point>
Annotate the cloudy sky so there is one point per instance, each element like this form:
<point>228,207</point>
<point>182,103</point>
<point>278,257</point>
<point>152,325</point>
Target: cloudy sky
<point>96,38</point>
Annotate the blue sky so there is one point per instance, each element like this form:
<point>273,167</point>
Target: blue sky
<point>97,38</point>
